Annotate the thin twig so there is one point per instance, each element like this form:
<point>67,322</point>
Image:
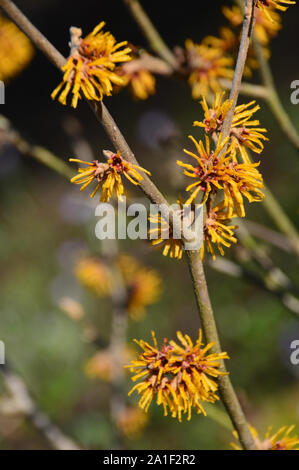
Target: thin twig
<point>155,40</point>
<point>21,402</point>
<point>273,99</point>
<point>279,216</point>
<point>269,235</point>
<point>227,392</point>
<point>10,136</point>
<point>238,270</point>
<point>248,24</point>
<point>246,89</point>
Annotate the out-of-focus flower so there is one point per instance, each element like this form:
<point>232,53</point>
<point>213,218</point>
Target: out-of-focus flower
<point>90,69</point>
<point>131,422</point>
<point>178,377</point>
<point>207,65</point>
<point>267,5</point>
<point>226,41</point>
<point>16,50</point>
<point>265,29</point>
<point>102,365</point>
<point>72,308</point>
<point>144,286</point>
<point>140,79</point>
<point>233,14</point>
<point>142,83</point>
<point>217,170</point>
<point>161,235</point>
<point>245,132</point>
<point>94,275</point>
<point>217,231</point>
<point>108,175</point>
<point>281,440</point>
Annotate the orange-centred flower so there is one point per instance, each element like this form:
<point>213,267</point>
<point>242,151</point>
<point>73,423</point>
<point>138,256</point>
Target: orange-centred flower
<point>161,236</point>
<point>90,69</point>
<point>207,170</point>
<point>218,231</point>
<point>207,65</point>
<point>216,170</point>
<point>177,376</point>
<point>245,131</point>
<point>16,50</point>
<point>108,175</point>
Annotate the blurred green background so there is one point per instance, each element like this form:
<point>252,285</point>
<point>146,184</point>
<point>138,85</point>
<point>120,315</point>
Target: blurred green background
<point>44,220</point>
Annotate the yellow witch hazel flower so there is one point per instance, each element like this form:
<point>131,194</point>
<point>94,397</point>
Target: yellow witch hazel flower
<point>266,5</point>
<point>265,28</point>
<point>245,132</point>
<point>226,41</point>
<point>141,81</point>
<point>217,231</point>
<point>281,440</point>
<point>90,69</point>
<point>94,275</point>
<point>208,169</point>
<point>102,364</point>
<point>131,422</point>
<point>161,236</point>
<point>15,50</point>
<point>207,65</point>
<point>217,170</point>
<point>144,286</point>
<point>108,175</point>
<point>178,377</point>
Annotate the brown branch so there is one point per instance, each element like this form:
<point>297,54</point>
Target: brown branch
<point>248,24</point>
<point>9,136</point>
<point>227,392</point>
<point>21,402</point>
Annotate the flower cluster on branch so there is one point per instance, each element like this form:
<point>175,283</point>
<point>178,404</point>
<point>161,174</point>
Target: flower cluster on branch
<point>107,175</point>
<point>177,376</point>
